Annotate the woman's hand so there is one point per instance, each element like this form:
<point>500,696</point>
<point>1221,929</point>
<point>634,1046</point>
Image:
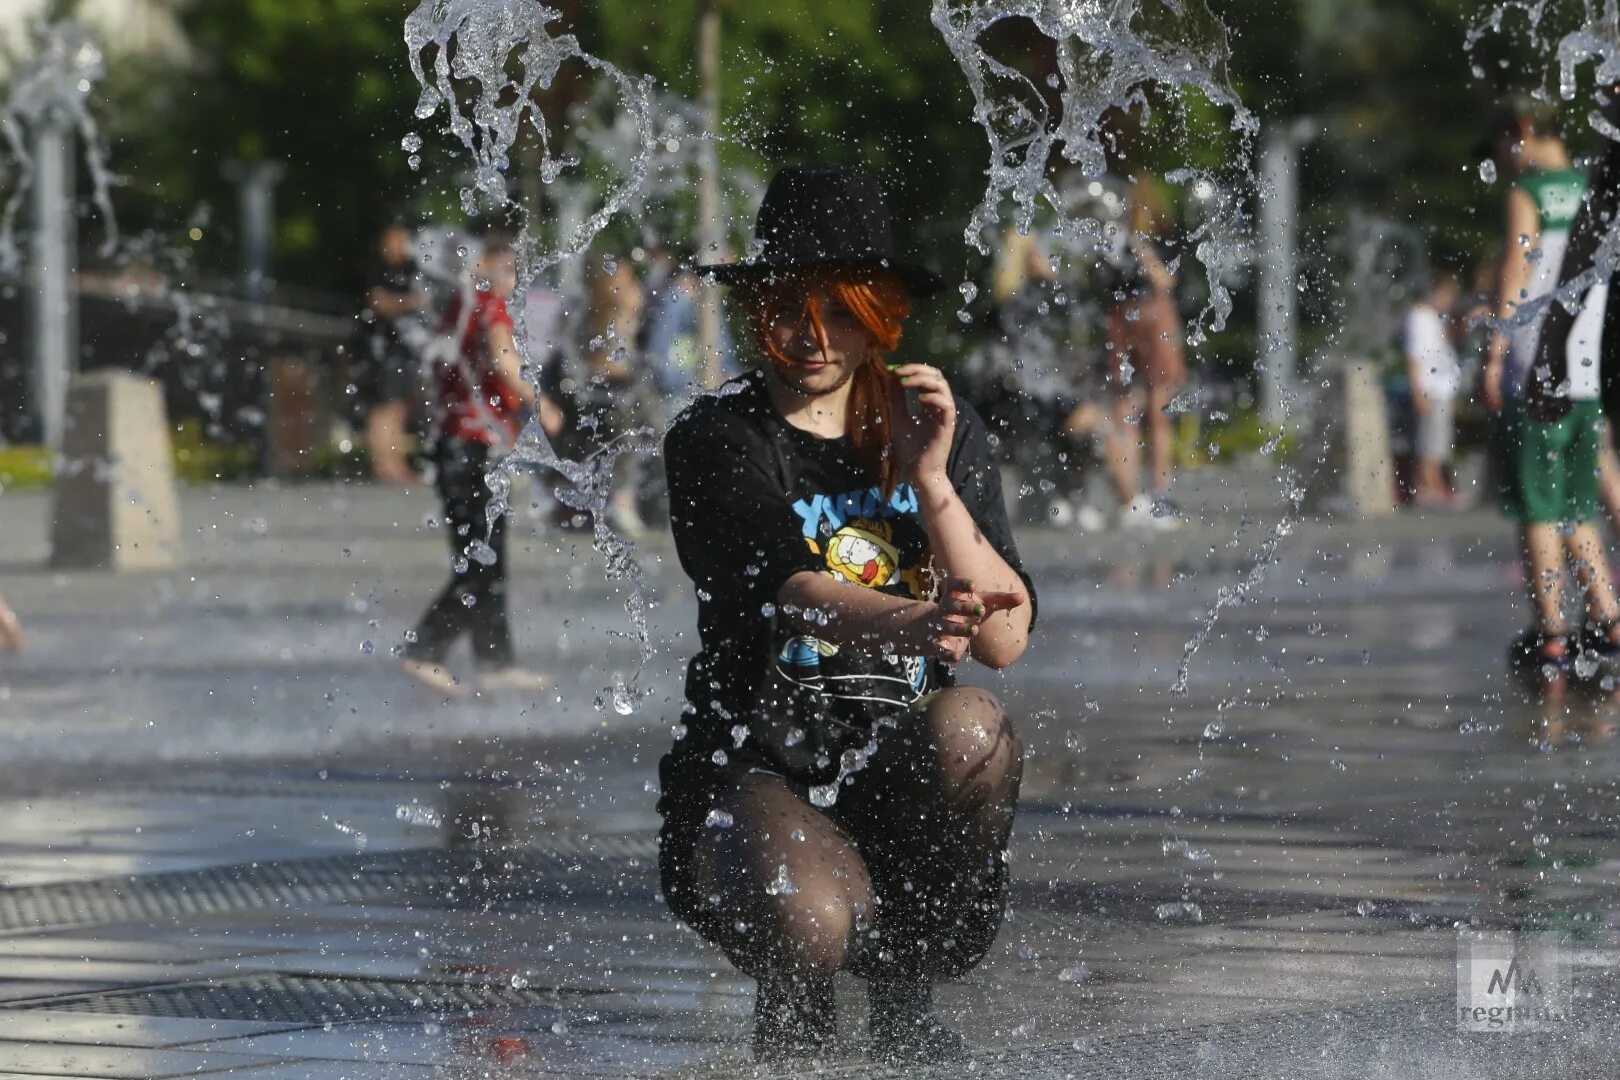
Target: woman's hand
<point>921,438</point>
<point>944,630</point>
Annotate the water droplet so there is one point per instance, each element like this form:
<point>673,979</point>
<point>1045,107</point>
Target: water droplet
<point>718,819</point>
<point>781,885</point>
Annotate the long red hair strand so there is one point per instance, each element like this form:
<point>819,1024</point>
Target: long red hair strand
<point>879,301</point>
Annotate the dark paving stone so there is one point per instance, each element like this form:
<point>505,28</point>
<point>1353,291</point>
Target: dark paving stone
<point>24,990</point>
<point>65,1059</point>
<point>152,1032</point>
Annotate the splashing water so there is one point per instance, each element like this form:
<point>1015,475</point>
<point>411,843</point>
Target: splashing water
<point>1595,42</point>
<point>483,42</point>
<point>52,88</point>
<point>1233,595</point>
<point>1109,54</point>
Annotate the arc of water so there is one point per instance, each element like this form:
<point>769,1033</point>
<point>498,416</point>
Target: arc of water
<point>482,42</point>
<point>1105,61</point>
<point>51,88</point>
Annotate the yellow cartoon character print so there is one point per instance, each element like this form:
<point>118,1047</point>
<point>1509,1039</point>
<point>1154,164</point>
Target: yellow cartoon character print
<point>862,552</point>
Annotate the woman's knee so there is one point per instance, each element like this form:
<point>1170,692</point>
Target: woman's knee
<point>973,739</point>
<point>777,895</point>
<point>791,919</point>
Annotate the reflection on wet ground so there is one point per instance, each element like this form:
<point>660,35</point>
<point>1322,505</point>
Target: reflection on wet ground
<point>1263,877</point>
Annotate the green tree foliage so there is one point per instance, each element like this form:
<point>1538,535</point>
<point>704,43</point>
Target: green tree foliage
<point>322,86</point>
<point>319,85</point>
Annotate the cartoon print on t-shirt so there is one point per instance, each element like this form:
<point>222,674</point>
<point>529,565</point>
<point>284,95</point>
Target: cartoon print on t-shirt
<point>861,553</point>
<point>854,535</point>
<point>801,657</point>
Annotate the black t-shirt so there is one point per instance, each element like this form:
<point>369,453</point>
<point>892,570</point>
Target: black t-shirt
<point>753,501</point>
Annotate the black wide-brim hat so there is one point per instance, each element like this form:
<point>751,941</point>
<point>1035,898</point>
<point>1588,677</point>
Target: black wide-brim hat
<point>824,217</point>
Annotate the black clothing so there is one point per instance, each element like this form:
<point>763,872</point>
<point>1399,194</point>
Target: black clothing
<point>466,496</point>
<point>824,217</point>
<point>754,501</point>
<point>392,367</point>
<point>875,823</point>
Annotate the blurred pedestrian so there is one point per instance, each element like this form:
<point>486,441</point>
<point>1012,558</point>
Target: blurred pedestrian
<point>1550,464</point>
<point>1146,363</point>
<point>672,345</point>
<point>394,337</point>
<point>11,631</point>
<point>483,396</point>
<point>1435,375</point>
<point>836,802</point>
<point>609,387</point>
<point>1036,396</point>
<point>676,365</point>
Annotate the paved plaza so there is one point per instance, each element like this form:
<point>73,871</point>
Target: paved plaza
<point>234,841</point>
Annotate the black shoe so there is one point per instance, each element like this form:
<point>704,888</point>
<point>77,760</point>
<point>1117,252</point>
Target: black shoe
<point>902,1024</point>
<point>1540,657</point>
<point>1597,640</point>
<point>795,1019</point>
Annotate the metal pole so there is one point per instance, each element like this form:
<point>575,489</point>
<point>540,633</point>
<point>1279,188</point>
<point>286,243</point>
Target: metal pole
<point>56,309</point>
<point>256,206</point>
<point>1279,296</point>
<point>711,231</point>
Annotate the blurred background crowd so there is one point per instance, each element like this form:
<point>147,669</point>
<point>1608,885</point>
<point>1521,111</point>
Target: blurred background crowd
<point>294,242</point>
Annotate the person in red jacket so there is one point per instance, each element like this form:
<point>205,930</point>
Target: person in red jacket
<point>483,397</point>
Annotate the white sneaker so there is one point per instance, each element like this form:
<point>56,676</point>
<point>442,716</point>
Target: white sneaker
<point>1088,518</point>
<point>519,679</point>
<point>1166,515</point>
<point>1139,514</point>
<point>435,677</point>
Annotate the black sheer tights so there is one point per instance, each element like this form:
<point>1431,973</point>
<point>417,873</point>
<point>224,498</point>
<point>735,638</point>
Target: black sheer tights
<point>904,877</point>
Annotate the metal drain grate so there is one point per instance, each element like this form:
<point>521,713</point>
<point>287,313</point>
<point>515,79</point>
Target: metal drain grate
<point>420,877</point>
<point>198,892</point>
<point>293,999</point>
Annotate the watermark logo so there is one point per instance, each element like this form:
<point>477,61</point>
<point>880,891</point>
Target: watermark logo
<point>1511,982</point>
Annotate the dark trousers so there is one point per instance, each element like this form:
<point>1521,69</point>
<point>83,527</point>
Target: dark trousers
<point>474,600</point>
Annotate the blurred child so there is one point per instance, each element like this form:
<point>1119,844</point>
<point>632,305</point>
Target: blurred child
<point>1550,482</point>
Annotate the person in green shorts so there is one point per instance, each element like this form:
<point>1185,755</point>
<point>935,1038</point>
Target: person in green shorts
<point>1550,464</point>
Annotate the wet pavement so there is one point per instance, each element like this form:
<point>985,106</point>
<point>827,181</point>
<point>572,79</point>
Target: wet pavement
<point>233,841</point>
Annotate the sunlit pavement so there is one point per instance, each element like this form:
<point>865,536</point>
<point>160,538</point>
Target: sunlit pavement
<point>235,841</point>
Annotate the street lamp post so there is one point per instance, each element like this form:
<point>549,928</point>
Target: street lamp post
<point>1279,273</point>
<point>256,209</point>
<point>711,230</point>
<point>54,257</point>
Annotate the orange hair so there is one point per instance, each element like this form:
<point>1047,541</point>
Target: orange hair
<point>879,301</point>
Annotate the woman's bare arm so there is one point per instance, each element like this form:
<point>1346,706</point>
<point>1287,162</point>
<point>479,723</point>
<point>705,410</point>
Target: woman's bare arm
<point>962,552</point>
<point>865,620</point>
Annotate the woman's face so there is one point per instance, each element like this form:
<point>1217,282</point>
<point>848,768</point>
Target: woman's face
<point>811,369</point>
